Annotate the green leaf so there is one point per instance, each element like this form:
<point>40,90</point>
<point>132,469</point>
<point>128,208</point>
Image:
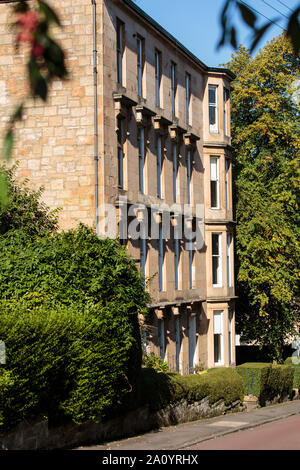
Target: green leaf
<point>21,7</point>
<point>18,113</point>
<point>38,83</point>
<point>233,41</point>
<point>41,88</point>
<point>3,190</point>
<point>293,30</point>
<point>248,16</point>
<point>258,35</point>
<point>55,60</point>
<point>49,13</point>
<point>8,144</point>
<point>224,24</point>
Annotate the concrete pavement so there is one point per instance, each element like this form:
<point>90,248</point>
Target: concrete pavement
<point>186,435</point>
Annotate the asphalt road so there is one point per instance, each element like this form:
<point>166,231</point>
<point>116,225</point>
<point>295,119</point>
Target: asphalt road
<point>278,435</point>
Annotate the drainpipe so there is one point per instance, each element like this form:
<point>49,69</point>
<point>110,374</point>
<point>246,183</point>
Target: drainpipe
<point>96,159</point>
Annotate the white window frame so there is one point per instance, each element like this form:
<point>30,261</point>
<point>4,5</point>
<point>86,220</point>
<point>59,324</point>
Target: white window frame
<point>218,256</point>
<point>192,343</point>
<point>229,259</point>
<point>216,179</point>
<point>220,333</point>
<point>176,262</point>
<point>213,128</point>
<point>230,335</point>
<point>141,148</point>
<point>227,167</point>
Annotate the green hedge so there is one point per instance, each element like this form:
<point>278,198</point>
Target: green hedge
<point>69,305</point>
<point>295,363</point>
<point>266,381</point>
<point>64,364</point>
<point>158,390</point>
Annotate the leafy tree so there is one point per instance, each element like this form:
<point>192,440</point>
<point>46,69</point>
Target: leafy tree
<point>69,304</point>
<point>23,209</point>
<point>265,138</point>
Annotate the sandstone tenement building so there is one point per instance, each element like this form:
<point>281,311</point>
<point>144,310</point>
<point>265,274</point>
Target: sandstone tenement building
<point>143,118</point>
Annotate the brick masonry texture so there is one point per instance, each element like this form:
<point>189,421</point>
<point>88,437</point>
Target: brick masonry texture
<point>54,143</point>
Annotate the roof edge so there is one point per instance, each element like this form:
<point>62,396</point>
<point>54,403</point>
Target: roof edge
<point>164,32</point>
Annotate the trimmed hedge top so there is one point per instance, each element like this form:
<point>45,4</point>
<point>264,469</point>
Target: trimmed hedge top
<point>254,365</point>
<point>159,390</point>
<point>266,381</point>
<point>295,363</point>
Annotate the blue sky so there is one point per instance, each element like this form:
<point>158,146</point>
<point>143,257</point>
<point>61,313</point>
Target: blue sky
<point>195,23</point>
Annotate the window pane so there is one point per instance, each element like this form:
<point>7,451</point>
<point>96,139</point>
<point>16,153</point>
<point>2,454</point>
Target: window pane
<point>188,168</point>
<point>173,86</point>
<point>176,263</point>
<point>214,183</point>
<point>212,94</point>
<point>216,259</point>
<point>230,314</point>
<point>157,78</point>
<point>120,153</point>
<point>187,98</point>
<point>216,268</point>
<point>213,194</point>
<point>141,159</point>
<point>120,167</point>
<point>162,339</point>
<point>119,131</point>
<point>229,238</point>
<point>218,322</point>
<point>215,244</point>
<point>218,336</point>
<point>226,184</point>
<point>191,259</point>
<point>217,348</point>
<point>213,109</point>
<point>175,172</point>
<point>160,259</point>
<point>119,51</point>
<point>213,169</point>
<point>178,342</point>
<point>212,115</point>
<point>159,166</point>
<point>143,254</point>
<point>192,343</point>
<point>140,65</point>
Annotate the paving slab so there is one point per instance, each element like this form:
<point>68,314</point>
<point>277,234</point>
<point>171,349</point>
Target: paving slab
<point>187,434</point>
